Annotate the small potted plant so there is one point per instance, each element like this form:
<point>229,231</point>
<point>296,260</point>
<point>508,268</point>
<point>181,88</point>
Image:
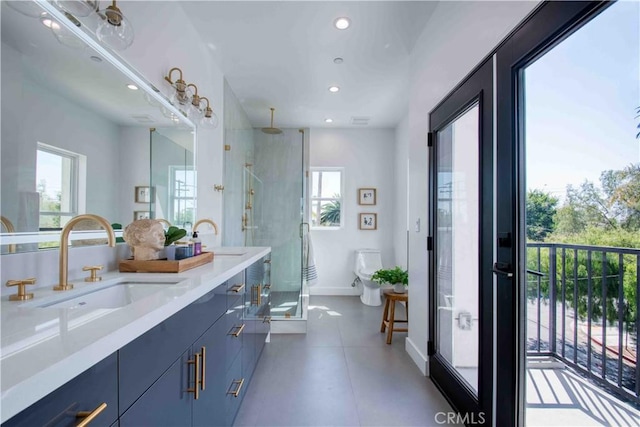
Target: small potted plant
<point>172,235</point>
<point>397,277</point>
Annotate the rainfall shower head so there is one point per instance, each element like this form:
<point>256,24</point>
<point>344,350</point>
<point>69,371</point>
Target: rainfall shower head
<point>271,130</point>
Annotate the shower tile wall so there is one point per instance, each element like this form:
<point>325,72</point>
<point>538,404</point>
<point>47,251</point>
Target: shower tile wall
<point>278,204</point>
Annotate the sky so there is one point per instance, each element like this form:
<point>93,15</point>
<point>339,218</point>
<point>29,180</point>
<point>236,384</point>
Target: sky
<point>580,102</point>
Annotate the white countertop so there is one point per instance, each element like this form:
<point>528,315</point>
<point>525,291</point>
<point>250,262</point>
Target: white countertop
<point>44,348</point>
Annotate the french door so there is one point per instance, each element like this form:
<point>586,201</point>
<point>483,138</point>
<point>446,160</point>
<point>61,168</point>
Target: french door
<point>461,247</point>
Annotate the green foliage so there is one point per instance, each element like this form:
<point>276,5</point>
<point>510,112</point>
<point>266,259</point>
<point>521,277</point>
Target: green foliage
<point>173,234</point>
<point>117,226</point>
<point>589,274</point>
<point>330,214</point>
<point>541,209</point>
<point>394,275</point>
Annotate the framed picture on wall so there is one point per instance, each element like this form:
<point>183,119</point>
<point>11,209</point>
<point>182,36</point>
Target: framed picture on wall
<point>143,194</point>
<point>368,221</point>
<point>367,196</point>
<point>141,215</point>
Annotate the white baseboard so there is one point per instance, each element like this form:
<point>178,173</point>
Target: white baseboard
<point>418,358</point>
<point>288,326</point>
<point>334,291</point>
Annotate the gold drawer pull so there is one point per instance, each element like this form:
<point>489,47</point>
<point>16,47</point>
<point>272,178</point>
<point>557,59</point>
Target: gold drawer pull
<point>238,332</point>
<point>89,415</point>
<point>267,261</point>
<point>236,288</point>
<point>267,319</point>
<point>196,371</point>
<point>203,354</point>
<point>239,383</point>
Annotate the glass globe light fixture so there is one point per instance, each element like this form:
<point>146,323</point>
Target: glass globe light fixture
<point>64,36</point>
<point>81,8</point>
<point>196,106</point>
<point>115,30</point>
<point>210,119</point>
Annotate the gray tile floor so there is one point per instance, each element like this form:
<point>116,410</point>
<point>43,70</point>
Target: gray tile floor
<point>341,373</point>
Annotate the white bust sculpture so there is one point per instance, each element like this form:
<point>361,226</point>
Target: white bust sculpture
<point>146,239</point>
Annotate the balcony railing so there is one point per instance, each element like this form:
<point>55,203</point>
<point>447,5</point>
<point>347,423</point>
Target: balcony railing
<point>582,308</point>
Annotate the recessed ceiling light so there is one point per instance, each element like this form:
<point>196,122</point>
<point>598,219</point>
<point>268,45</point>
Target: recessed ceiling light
<point>342,23</point>
<point>328,120</point>
<point>334,89</point>
<point>95,58</point>
<point>338,60</point>
<point>132,86</point>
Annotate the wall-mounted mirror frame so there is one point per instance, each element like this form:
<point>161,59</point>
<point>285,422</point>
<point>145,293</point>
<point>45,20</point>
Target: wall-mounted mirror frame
<point>15,240</point>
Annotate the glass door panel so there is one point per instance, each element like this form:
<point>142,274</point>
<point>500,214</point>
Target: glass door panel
<point>457,249</point>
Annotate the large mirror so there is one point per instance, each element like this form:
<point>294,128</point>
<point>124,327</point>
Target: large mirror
<point>77,138</point>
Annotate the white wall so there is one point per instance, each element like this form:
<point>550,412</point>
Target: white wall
<point>367,158</point>
<point>401,225</point>
<point>456,38</point>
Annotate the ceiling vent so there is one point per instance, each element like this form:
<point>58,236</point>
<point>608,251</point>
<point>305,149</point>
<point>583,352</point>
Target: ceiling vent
<point>360,121</point>
<point>143,118</point>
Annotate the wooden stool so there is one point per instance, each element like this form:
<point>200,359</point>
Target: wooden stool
<point>388,315</point>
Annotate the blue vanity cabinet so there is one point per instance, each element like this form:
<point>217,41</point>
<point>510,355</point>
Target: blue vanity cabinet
<point>209,408</point>
<point>168,401</point>
<point>85,393</point>
<point>144,360</point>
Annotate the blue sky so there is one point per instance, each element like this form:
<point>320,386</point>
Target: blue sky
<point>580,102</point>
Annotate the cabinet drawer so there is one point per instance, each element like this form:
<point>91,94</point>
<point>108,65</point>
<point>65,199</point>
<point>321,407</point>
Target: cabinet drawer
<point>236,287</point>
<point>86,392</point>
<point>235,332</point>
<point>167,402</point>
<point>236,387</point>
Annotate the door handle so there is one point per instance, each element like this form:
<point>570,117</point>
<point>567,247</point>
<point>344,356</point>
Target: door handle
<point>502,269</point>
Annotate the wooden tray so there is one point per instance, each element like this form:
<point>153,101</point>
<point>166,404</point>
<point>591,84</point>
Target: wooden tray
<point>164,266</point>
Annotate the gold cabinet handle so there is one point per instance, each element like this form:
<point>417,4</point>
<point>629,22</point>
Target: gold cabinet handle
<point>93,275</point>
<point>267,261</point>
<point>267,319</point>
<point>196,372</point>
<point>236,288</point>
<point>203,375</point>
<point>239,384</point>
<point>22,295</point>
<point>89,415</point>
<point>257,291</point>
<point>238,332</point>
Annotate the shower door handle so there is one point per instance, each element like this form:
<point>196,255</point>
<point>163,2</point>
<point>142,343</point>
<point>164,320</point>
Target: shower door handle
<point>302,228</point>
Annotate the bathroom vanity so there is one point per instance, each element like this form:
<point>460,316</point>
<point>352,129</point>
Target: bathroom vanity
<point>176,349</point>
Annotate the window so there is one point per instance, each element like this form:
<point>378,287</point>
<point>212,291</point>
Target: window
<point>182,195</point>
<point>326,198</point>
<point>58,185</point>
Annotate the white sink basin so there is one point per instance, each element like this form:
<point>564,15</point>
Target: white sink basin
<point>112,294</point>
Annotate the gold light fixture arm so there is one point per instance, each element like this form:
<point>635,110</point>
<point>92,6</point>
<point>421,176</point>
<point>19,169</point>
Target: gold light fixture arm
<point>168,76</point>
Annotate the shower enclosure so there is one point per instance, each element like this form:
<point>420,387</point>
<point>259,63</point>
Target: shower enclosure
<point>264,206</point>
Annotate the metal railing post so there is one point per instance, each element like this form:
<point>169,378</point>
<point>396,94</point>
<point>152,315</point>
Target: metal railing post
<point>552,298</point>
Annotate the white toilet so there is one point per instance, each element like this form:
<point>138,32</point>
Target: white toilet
<point>368,261</point>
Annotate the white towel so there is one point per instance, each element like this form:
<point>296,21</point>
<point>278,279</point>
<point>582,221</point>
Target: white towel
<point>309,272</point>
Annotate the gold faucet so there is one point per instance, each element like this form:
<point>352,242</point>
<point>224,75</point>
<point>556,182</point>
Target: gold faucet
<point>208,221</point>
<point>10,229</point>
<point>64,246</point>
<point>164,221</point>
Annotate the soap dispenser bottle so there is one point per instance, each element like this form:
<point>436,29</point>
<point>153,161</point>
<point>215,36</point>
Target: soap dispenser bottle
<point>197,244</point>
